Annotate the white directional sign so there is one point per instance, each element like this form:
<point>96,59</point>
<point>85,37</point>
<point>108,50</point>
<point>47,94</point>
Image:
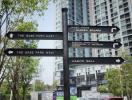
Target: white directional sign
<point>113,29</point>
<point>10,52</point>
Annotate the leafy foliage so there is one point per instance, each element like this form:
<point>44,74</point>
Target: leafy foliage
<point>39,85</point>
<point>113,77</point>
<point>12,14</point>
<point>103,89</point>
<point>26,7</point>
<point>119,80</point>
<point>19,71</point>
<point>22,69</point>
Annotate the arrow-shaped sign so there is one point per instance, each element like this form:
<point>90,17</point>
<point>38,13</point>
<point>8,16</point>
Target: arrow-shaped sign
<point>35,35</point>
<point>96,60</point>
<point>34,52</point>
<point>94,44</point>
<point>92,29</point>
<point>10,52</point>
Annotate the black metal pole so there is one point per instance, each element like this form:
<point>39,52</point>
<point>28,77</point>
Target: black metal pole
<point>65,56</point>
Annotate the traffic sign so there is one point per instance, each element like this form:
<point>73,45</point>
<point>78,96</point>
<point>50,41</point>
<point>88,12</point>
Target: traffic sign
<point>96,60</point>
<point>92,29</point>
<point>34,52</point>
<point>35,35</point>
<point>94,44</point>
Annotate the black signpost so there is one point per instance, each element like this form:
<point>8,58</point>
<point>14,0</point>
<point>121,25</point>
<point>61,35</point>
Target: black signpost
<point>66,44</point>
<point>94,44</point>
<point>65,56</point>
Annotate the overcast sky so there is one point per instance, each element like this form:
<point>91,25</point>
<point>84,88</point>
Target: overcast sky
<point>47,24</point>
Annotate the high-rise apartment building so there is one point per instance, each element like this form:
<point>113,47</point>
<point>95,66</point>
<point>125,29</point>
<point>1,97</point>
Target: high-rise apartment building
<point>111,13</point>
<point>95,12</point>
<point>117,13</point>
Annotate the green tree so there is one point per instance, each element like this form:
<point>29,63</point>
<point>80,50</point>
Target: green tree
<point>28,71</point>
<point>54,85</point>
<point>5,90</point>
<point>103,88</point>
<point>38,85</point>
<point>12,13</point>
<point>22,69</point>
<point>25,7</point>
<point>113,78</point>
<point>126,71</point>
<point>120,79</point>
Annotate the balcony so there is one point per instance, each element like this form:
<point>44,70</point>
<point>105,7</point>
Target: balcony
<point>90,79</point>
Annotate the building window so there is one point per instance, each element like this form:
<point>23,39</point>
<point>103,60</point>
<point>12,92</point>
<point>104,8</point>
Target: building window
<point>121,6</point>
<point>124,33</point>
<point>128,20</point>
<point>116,53</point>
<point>127,15</point>
<point>125,38</point>
<point>125,44</point>
<point>128,26</point>
<point>126,9</point>
<point>125,4</point>
<point>108,37</point>
<point>130,43</point>
<point>129,31</point>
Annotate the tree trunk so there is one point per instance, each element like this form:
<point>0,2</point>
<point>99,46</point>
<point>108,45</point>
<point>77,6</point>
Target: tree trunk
<point>11,95</point>
<point>15,83</point>
<point>15,92</point>
<point>24,93</point>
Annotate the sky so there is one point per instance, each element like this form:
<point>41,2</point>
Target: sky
<point>47,24</point>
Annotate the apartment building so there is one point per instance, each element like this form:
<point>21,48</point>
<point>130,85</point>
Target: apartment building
<point>117,13</point>
<point>101,13</point>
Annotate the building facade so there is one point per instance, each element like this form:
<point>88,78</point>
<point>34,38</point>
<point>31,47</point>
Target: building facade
<point>101,13</point>
<point>111,13</point>
<point>117,13</point>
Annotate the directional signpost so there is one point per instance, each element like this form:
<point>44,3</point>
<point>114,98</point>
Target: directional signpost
<point>96,60</point>
<point>35,35</point>
<point>92,29</point>
<point>66,44</point>
<point>94,44</point>
<point>34,52</point>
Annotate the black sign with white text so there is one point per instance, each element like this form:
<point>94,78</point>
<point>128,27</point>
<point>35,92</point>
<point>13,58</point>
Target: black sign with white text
<point>94,44</point>
<point>35,35</point>
<point>34,52</point>
<point>92,29</point>
<point>96,60</point>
